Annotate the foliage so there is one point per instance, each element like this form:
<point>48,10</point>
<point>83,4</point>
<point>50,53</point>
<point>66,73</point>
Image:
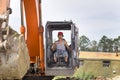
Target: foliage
<point>105,44</point>
<point>82,75</point>
<point>77,76</point>
<point>84,43</point>
<point>93,46</point>
<point>59,78</point>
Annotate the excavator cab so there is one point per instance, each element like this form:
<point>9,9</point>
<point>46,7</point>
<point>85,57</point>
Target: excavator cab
<point>71,36</point>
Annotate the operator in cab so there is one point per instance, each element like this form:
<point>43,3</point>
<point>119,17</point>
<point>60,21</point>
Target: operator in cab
<point>60,46</point>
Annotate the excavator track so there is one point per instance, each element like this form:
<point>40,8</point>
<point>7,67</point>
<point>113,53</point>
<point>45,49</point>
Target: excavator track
<point>37,77</point>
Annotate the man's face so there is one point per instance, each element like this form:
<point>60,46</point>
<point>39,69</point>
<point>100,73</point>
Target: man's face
<point>60,36</point>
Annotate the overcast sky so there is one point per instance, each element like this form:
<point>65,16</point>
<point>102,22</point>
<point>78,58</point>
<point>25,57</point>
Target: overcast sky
<point>94,18</point>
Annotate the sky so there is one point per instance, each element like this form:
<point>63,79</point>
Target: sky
<point>94,18</point>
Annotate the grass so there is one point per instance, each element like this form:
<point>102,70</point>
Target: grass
<point>59,78</point>
<point>77,76</point>
<point>83,75</point>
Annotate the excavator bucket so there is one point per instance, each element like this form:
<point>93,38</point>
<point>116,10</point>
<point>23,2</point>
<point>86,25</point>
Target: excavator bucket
<point>14,58</point>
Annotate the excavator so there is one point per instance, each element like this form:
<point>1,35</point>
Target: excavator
<point>24,55</point>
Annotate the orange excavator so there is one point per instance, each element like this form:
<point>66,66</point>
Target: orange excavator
<point>24,54</point>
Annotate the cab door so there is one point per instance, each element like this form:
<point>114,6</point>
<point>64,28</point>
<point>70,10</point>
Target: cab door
<point>74,45</point>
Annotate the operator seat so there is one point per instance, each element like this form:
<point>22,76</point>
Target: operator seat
<point>60,59</point>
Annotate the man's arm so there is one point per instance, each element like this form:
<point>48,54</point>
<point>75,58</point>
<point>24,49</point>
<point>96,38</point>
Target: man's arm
<point>53,46</point>
<point>65,42</point>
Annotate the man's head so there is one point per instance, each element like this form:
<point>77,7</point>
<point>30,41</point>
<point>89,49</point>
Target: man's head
<point>60,35</point>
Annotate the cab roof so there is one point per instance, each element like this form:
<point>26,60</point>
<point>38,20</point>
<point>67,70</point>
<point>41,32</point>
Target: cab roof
<point>59,25</point>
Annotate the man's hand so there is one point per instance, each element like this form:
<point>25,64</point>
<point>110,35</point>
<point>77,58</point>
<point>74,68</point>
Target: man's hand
<point>65,42</point>
<point>54,46</point>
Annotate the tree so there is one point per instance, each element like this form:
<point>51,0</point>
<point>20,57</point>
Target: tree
<point>84,43</point>
<point>105,44</point>
<point>102,44</point>
<point>116,42</point>
<point>110,45</point>
<point>93,45</point>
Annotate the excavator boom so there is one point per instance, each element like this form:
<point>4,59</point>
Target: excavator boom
<point>32,10</point>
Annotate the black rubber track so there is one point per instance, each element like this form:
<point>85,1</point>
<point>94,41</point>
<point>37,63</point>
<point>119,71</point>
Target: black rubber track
<point>38,78</point>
